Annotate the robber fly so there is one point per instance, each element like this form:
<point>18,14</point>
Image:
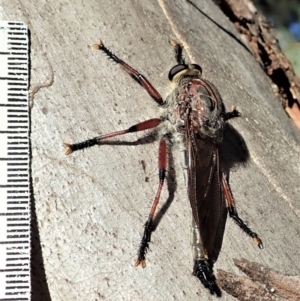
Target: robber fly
<point>193,114</point>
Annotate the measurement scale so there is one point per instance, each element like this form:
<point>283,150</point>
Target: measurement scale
<point>14,162</point>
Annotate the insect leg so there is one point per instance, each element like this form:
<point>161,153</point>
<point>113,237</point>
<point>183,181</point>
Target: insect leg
<point>145,125</point>
<point>203,267</point>
<point>138,77</point>
<point>178,52</point>
<point>144,245</point>
<point>234,113</point>
<point>234,215</point>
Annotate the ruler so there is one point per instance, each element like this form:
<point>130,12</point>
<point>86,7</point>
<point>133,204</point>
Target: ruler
<point>14,162</point>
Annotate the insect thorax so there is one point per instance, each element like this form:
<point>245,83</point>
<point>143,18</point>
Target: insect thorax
<point>197,103</point>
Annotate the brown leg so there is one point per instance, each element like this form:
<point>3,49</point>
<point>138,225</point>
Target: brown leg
<point>178,52</point>
<point>234,215</point>
<point>145,125</point>
<point>162,165</point>
<point>140,78</point>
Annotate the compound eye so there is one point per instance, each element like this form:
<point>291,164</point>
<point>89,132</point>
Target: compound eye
<point>176,69</point>
<point>197,67</point>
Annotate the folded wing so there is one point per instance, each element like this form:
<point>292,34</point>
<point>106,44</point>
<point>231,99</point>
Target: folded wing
<point>205,193</point>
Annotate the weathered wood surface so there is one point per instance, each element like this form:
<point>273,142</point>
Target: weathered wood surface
<point>90,207</point>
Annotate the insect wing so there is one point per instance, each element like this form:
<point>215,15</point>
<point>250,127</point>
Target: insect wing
<point>205,193</point>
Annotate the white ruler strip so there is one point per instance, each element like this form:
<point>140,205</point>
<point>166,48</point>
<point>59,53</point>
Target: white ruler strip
<point>14,163</point>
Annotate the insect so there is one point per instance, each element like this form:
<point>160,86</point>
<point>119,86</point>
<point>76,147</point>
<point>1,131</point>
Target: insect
<point>193,116</point>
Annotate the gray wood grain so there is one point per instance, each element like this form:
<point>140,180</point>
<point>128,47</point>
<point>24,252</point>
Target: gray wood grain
<point>90,207</point>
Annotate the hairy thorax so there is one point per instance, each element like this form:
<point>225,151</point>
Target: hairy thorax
<point>194,98</point>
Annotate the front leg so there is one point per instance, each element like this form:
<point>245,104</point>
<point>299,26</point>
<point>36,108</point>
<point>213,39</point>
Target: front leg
<point>137,76</point>
<point>233,114</point>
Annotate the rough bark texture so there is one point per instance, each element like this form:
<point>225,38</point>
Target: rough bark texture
<point>261,39</point>
<point>261,284</point>
<point>90,207</point>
